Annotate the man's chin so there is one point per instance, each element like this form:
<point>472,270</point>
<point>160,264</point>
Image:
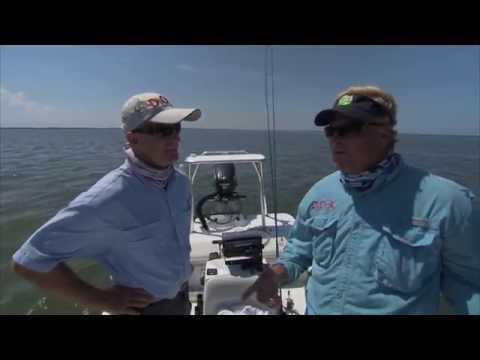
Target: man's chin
<point>340,165</point>
<point>172,154</point>
<point>173,159</point>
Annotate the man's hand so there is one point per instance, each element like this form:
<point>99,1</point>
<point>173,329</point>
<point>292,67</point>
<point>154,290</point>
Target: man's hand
<point>126,300</point>
<point>64,283</point>
<point>267,285</point>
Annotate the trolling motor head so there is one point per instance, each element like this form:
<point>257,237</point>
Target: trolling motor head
<point>225,181</point>
<point>225,201</point>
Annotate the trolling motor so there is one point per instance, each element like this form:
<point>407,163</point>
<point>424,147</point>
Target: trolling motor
<point>225,198</point>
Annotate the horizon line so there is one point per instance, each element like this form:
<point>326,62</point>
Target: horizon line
<point>110,128</point>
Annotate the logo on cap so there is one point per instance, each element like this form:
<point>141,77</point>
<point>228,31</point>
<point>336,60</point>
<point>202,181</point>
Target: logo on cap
<point>345,100</point>
<point>152,103</point>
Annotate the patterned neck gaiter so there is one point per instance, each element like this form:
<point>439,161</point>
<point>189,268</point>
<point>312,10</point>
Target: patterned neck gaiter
<point>365,180</point>
<point>140,168</point>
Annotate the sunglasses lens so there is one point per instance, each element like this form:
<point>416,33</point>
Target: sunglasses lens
<point>165,131</point>
<point>161,131</point>
<point>168,131</point>
<point>343,131</point>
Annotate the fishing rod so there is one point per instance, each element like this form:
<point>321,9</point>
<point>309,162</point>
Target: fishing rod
<point>271,132</point>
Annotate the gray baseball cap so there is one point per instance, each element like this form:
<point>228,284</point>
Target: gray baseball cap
<point>155,108</point>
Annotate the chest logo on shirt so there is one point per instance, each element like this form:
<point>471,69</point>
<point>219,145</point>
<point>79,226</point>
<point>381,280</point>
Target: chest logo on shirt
<point>420,222</point>
<point>322,205</point>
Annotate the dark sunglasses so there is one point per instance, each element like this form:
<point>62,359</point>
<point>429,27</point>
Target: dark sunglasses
<point>159,130</point>
<point>350,129</point>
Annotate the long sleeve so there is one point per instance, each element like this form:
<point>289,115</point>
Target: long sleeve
<point>297,254</point>
<point>461,256</point>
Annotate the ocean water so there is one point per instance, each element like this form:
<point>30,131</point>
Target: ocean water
<point>41,170</point>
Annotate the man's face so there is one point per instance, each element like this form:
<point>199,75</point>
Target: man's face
<point>156,143</point>
<point>356,145</point>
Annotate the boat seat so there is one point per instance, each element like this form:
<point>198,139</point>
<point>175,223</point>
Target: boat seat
<point>225,292</point>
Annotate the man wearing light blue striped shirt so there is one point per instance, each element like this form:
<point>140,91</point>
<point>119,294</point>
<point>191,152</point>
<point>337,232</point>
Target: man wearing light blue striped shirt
<point>135,222</point>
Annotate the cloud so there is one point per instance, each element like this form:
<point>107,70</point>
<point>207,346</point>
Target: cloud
<point>18,110</point>
<point>19,101</point>
<point>185,67</point>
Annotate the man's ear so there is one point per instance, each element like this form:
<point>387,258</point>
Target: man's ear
<point>132,138</point>
<point>388,135</point>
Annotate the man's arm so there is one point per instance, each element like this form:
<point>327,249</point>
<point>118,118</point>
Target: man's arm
<point>461,257</point>
<point>76,232</point>
<point>62,282</point>
<point>296,257</point>
<point>297,254</point>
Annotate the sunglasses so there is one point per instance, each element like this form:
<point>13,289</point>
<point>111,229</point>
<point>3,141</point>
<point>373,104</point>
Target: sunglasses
<point>348,130</point>
<point>160,131</point>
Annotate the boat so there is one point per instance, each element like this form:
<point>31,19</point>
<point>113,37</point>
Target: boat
<point>229,247</point>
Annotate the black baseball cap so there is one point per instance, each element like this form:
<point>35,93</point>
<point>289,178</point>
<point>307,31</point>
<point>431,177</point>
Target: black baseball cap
<point>356,107</point>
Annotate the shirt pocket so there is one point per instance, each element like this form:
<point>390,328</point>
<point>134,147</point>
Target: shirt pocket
<point>323,233</point>
<point>147,246</point>
<point>144,233</point>
<point>404,262</point>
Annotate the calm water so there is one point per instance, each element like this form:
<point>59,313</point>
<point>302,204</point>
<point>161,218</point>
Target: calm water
<point>41,170</point>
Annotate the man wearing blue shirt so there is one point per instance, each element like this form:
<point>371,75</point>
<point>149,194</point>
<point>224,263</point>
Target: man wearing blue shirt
<point>135,222</point>
<point>380,236</point>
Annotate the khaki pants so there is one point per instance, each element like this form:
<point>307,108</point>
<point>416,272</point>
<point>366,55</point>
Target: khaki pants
<point>179,305</point>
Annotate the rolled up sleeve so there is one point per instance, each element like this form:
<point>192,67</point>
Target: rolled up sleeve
<point>74,233</point>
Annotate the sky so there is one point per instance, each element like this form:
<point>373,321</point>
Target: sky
<point>436,87</point>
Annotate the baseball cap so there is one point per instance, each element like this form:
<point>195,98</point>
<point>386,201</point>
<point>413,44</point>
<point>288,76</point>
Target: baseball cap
<point>155,108</point>
<point>356,107</point>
